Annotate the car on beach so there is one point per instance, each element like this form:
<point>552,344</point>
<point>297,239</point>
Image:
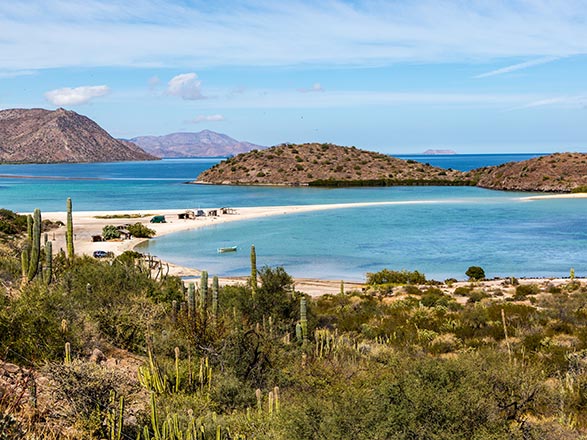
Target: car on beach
<point>100,254</point>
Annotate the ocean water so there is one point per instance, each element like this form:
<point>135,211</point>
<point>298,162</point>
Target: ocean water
<point>449,230</point>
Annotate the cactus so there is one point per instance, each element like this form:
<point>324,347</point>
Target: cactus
<point>48,262</point>
<point>191,299</point>
<point>35,241</point>
<point>572,274</point>
<point>24,259</point>
<point>69,234</point>
<point>276,399</point>
<point>203,290</point>
<point>304,319</point>
<point>342,287</point>
<point>215,289</point>
<point>174,310</point>
<point>177,369</point>
<point>253,270</point>
<point>113,422</point>
<point>29,226</point>
<point>67,353</point>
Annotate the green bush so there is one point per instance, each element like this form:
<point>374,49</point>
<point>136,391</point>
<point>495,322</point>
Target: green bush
<point>387,276</point>
<point>139,230</point>
<point>475,273</point>
<point>110,232</point>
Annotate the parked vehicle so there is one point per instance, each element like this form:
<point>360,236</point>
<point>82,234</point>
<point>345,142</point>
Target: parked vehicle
<point>101,254</point>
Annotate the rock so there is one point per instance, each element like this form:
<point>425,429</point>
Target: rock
<point>97,356</point>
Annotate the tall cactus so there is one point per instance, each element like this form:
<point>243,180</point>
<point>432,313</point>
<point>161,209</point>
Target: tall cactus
<point>215,289</point>
<point>253,270</point>
<point>203,290</point>
<point>29,226</point>
<point>35,241</point>
<point>48,262</point>
<point>304,319</point>
<point>69,235</point>
<point>191,299</point>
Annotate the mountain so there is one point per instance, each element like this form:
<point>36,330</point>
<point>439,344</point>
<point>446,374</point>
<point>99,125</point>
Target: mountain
<point>325,165</point>
<point>434,152</point>
<point>559,172</point>
<point>205,143</point>
<point>45,136</point>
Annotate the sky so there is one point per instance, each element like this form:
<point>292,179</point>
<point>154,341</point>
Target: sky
<point>396,76</point>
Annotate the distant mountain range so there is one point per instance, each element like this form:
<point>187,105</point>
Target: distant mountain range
<point>205,143</point>
<point>45,136</point>
<point>439,152</point>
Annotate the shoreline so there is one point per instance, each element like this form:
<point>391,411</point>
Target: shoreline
<point>86,225</point>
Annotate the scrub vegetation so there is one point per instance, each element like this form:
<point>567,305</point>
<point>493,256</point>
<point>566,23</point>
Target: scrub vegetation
<point>116,350</point>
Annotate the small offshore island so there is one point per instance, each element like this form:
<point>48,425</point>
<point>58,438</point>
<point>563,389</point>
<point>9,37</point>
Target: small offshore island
<point>314,164</point>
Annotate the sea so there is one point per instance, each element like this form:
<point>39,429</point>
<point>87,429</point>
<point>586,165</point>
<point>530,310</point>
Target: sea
<point>443,232</point>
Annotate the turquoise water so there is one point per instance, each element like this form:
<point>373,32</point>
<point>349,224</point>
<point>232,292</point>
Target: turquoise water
<point>507,237</point>
<point>450,230</point>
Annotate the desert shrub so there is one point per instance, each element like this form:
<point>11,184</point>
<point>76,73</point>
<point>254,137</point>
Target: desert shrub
<point>475,273</point>
<point>139,230</point>
<point>463,291</point>
<point>523,290</point>
<point>110,232</point>
<point>387,276</point>
<point>477,295</point>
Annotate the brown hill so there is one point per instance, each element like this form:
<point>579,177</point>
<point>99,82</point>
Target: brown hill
<point>44,136</point>
<point>325,164</point>
<point>560,172</point>
<point>205,143</point>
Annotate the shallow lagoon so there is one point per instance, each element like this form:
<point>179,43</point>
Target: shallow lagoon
<point>453,228</point>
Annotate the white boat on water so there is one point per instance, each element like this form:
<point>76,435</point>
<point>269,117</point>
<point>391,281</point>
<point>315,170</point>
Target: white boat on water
<point>223,250</point>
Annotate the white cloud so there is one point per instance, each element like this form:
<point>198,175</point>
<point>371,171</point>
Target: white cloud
<point>75,96</point>
<point>574,101</point>
<point>17,73</point>
<point>519,66</point>
<point>207,118</point>
<point>186,86</point>
<point>316,87</point>
<point>53,33</point>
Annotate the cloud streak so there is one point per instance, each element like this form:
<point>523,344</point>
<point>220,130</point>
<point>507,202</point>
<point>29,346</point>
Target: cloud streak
<point>75,96</point>
<point>206,118</point>
<point>519,66</point>
<point>262,33</point>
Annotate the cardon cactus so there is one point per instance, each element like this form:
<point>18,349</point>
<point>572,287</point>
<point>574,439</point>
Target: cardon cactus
<point>215,289</point>
<point>304,319</point>
<point>48,275</point>
<point>69,234</point>
<point>203,290</point>
<point>253,270</point>
<point>35,241</point>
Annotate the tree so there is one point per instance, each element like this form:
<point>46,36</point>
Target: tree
<point>475,273</point>
<point>110,232</point>
<point>139,230</point>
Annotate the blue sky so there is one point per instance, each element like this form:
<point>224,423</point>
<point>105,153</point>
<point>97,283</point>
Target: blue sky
<point>394,76</point>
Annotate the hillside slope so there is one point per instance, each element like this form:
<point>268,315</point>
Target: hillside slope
<point>205,143</point>
<point>327,165</point>
<point>559,172</point>
<point>45,136</point>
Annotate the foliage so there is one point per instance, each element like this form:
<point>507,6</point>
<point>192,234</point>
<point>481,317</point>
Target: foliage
<point>110,232</point>
<point>139,230</point>
<point>387,276</point>
<point>475,273</point>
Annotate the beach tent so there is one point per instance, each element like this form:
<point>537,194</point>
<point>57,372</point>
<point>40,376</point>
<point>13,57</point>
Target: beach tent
<point>158,219</point>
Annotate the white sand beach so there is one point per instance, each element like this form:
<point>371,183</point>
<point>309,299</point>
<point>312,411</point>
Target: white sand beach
<point>87,224</point>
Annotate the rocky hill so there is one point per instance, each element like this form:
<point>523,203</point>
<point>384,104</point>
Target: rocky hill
<point>205,143</point>
<point>559,172</point>
<point>325,165</point>
<point>45,136</point>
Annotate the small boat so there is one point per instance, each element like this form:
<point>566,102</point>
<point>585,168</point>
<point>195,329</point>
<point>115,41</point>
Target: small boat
<point>223,250</point>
